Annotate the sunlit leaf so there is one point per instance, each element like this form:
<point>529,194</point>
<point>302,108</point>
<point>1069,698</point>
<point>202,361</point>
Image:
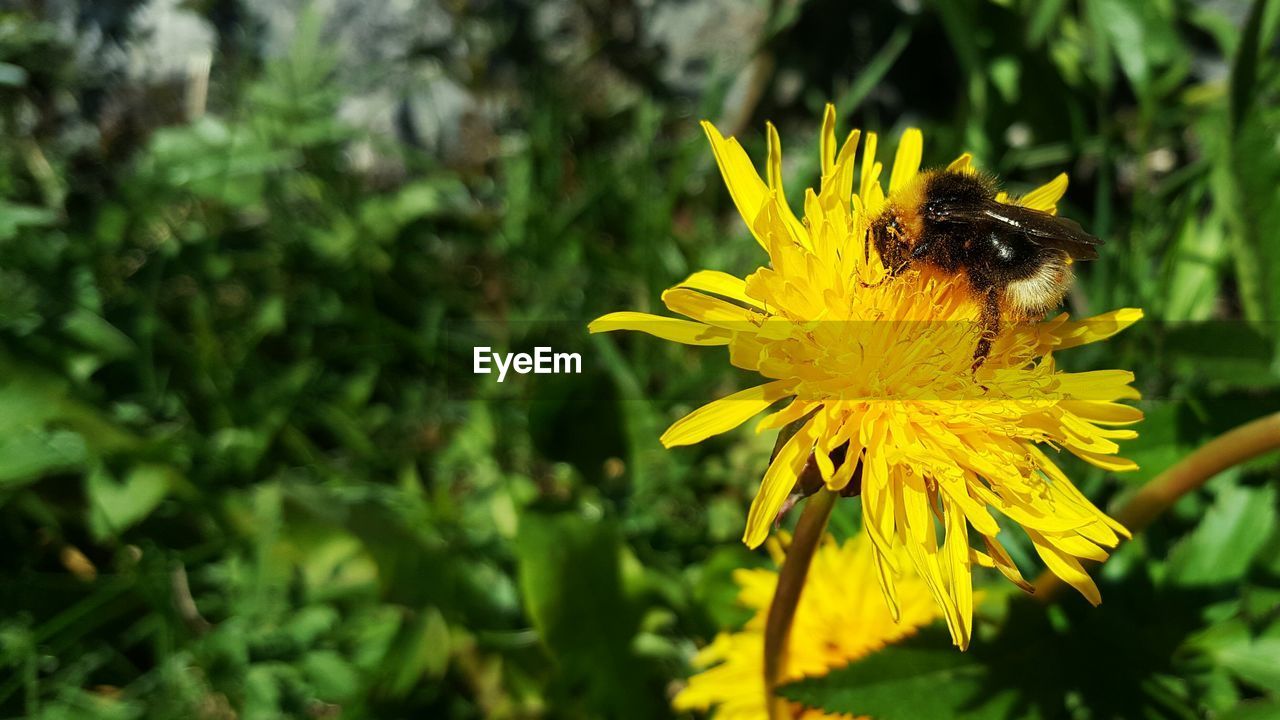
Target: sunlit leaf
<point>1225,542</point>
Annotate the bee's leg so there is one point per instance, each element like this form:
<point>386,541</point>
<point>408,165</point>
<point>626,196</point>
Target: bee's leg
<point>990,321</point>
<point>886,235</point>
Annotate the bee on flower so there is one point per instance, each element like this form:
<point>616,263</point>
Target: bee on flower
<point>901,329</point>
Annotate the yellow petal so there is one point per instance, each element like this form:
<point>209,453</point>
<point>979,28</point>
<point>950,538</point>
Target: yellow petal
<point>773,153</point>
<point>773,171</point>
<point>870,172</point>
<point>868,163</point>
<point>919,519</point>
<point>1045,198</point>
<point>962,164</point>
<point>956,490</point>
<point>673,329</point>
<point>710,310</point>
<point>1065,486</point>
<point>827,140</point>
<point>745,186</point>
<point>1102,413</point>
<point>1100,385</point>
<point>722,284</point>
<point>844,474</point>
<point>884,575</point>
<point>778,481</point>
<point>961,575</point>
<point>1066,567</point>
<point>724,414</point>
<point>852,453</point>
<point>1004,563</point>
<point>746,351</point>
<point>1090,330</point>
<point>822,448</point>
<point>844,166</point>
<point>1076,546</point>
<point>1030,515</point>
<point>785,416</point>
<point>1106,462</point>
<point>907,161</point>
<point>878,511</point>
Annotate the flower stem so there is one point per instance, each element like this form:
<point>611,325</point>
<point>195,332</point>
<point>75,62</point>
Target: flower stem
<point>1227,450</point>
<point>777,630</point>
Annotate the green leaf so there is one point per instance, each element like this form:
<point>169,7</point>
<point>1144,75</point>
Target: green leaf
<point>27,454</point>
<point>333,678</point>
<point>383,217</point>
<point>92,331</point>
<point>1196,268</point>
<point>572,589</point>
<point>926,677</point>
<point>309,624</point>
<point>713,584</point>
<point>1244,73</point>
<point>873,72</point>
<point>421,649</point>
<point>1158,444</point>
<point>1231,354</point>
<point>1256,166</point>
<point>1141,36</point>
<point>12,75</point>
<point>1249,173</point>
<point>1225,542</point>
<point>15,217</point>
<point>212,160</point>
<point>1253,661</point>
<point>1254,710</point>
<point>117,506</point>
<point>1044,15</point>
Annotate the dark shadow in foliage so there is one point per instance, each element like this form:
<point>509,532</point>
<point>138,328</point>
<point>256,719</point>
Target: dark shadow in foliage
<point>1101,659</point>
<point>1038,666</point>
<point>565,421</point>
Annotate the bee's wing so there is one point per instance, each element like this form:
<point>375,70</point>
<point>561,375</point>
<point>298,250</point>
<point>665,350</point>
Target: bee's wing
<point>1041,228</point>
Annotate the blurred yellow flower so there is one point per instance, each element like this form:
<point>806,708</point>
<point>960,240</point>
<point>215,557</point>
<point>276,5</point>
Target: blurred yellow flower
<point>841,617</point>
<point>879,368</point>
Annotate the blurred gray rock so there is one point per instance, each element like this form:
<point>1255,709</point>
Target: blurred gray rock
<point>168,40</point>
<point>390,64</point>
<point>703,40</point>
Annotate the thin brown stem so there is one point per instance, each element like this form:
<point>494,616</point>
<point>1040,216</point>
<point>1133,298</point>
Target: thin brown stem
<point>1225,451</point>
<point>777,630</point>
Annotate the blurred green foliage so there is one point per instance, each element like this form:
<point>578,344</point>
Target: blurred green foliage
<point>245,468</point>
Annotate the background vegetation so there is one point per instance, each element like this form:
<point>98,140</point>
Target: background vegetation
<point>245,469</point>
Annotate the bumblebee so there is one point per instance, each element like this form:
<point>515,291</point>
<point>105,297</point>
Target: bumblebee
<point>1016,262</point>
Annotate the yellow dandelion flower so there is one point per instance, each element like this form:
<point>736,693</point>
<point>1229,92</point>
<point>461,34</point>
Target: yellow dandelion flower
<point>879,367</point>
<point>840,618</point>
